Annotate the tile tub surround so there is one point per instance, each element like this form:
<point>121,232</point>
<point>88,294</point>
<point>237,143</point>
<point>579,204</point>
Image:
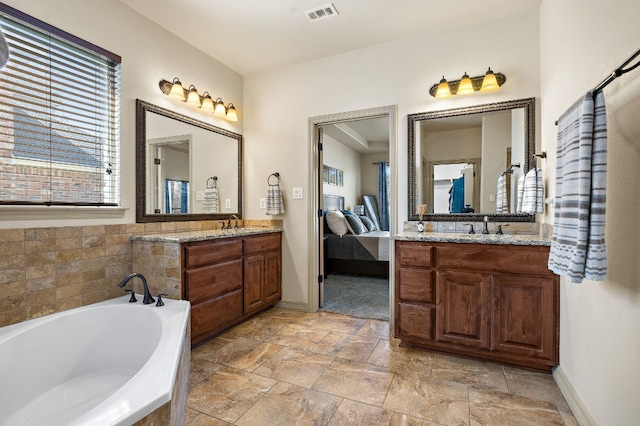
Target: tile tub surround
<point>47,270</point>
<point>287,367</point>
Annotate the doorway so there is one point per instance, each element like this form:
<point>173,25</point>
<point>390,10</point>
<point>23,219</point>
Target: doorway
<point>341,141</point>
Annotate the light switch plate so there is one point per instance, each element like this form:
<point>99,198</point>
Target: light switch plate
<point>199,195</point>
<point>227,203</point>
<point>263,203</point>
<point>297,193</point>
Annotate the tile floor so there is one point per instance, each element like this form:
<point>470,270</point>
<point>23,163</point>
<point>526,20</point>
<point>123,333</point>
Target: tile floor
<point>285,367</point>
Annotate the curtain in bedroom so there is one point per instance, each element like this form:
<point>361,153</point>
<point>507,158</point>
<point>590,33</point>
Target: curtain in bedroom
<point>383,194</point>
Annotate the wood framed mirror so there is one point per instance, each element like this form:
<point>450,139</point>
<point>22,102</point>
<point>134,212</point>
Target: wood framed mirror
<point>483,142</point>
<point>205,159</point>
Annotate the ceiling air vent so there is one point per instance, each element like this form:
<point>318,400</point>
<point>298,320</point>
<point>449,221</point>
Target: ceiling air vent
<point>322,12</point>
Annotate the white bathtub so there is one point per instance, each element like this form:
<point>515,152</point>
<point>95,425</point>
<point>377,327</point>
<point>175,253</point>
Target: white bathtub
<point>110,363</point>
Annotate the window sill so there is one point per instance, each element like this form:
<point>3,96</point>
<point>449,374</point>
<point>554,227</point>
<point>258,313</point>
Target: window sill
<point>60,212</point>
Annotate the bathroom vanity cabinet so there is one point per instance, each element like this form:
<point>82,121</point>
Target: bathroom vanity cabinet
<point>229,279</point>
<point>497,302</point>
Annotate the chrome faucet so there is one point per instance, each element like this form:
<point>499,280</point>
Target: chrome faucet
<point>147,296</point>
<point>236,223</point>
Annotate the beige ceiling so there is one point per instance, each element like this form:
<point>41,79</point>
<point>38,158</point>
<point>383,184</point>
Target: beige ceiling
<point>255,36</point>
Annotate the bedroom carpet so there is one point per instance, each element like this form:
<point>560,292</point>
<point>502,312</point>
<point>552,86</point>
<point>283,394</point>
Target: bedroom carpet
<point>357,296</point>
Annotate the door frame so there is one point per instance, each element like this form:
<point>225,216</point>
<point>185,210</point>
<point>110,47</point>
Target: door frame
<point>315,182</point>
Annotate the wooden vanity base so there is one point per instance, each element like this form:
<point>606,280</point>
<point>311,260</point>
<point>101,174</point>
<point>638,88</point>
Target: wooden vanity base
<point>495,302</point>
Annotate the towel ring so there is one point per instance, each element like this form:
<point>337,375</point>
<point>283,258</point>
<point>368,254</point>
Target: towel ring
<point>276,175</point>
<point>215,181</point>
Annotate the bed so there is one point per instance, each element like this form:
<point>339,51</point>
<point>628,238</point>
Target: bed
<point>366,253</point>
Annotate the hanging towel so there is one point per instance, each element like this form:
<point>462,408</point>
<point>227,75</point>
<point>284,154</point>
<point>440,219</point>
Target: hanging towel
<point>578,243</point>
<point>502,206</point>
<point>532,192</point>
<point>520,194</point>
<point>211,203</point>
<point>274,203</point>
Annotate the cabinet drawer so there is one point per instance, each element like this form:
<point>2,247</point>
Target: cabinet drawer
<point>211,317</point>
<point>416,285</point>
<point>209,282</point>
<point>414,254</point>
<point>262,243</point>
<point>485,258</point>
<point>197,254</point>
<point>414,322</point>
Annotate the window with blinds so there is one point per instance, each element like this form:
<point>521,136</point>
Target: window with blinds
<point>59,117</point>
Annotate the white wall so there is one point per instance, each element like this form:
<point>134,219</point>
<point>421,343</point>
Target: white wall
<point>149,54</point>
<point>340,156</point>
<point>370,173</point>
<point>583,41</point>
<point>399,73</point>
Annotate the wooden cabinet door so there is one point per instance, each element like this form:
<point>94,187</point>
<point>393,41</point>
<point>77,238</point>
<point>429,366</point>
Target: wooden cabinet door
<point>524,317</point>
<point>462,308</point>
<point>272,277</point>
<point>253,283</point>
<point>414,322</point>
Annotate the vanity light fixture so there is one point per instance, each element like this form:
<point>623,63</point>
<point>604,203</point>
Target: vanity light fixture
<point>232,115</point>
<point>466,85</point>
<point>219,108</point>
<point>193,98</point>
<point>204,101</point>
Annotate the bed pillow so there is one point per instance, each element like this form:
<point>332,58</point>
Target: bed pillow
<point>355,224</point>
<point>337,223</point>
<point>368,223</point>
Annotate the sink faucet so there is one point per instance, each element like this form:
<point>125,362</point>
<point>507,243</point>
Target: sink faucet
<point>229,222</point>
<point>147,296</point>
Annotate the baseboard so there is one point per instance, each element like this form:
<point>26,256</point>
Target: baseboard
<point>293,306</point>
<point>580,412</point>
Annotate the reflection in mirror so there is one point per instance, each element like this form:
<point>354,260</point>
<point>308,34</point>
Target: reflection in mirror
<point>186,169</point>
<point>457,158</point>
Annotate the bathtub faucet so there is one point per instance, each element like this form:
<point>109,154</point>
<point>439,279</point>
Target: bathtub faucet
<point>147,296</point>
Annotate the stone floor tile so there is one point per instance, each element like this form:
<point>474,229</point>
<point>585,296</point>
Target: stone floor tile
<point>434,400</point>
<point>354,380</point>
<point>347,346</point>
<point>299,337</point>
<point>394,358</point>
<point>294,366</point>
<point>202,369</point>
<point>243,354</point>
<point>288,404</point>
<point>498,408</point>
<point>204,420</point>
<point>228,394</point>
<point>468,371</point>
<point>338,323</point>
<point>356,413</point>
<point>375,329</point>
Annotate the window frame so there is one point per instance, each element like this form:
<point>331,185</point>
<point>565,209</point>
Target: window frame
<point>112,142</point>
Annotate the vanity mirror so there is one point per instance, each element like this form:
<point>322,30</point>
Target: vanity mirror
<point>456,157</point>
<point>185,169</point>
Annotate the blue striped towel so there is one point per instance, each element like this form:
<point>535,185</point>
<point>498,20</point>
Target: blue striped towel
<point>532,192</point>
<point>578,244</point>
<point>502,206</point>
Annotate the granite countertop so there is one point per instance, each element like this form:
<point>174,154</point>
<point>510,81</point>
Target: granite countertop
<point>213,234</point>
<point>450,237</point>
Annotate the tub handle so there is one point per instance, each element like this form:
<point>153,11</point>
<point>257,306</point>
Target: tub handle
<point>160,302</point>
<point>133,296</point>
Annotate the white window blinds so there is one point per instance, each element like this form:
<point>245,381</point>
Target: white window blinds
<point>59,117</point>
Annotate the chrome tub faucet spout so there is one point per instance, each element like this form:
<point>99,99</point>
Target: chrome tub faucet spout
<point>147,296</point>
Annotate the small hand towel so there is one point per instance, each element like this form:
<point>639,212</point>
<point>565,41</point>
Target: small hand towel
<point>211,202</point>
<point>274,203</point>
<point>578,243</point>
<point>532,197</point>
<point>502,206</point>
<point>520,194</point>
